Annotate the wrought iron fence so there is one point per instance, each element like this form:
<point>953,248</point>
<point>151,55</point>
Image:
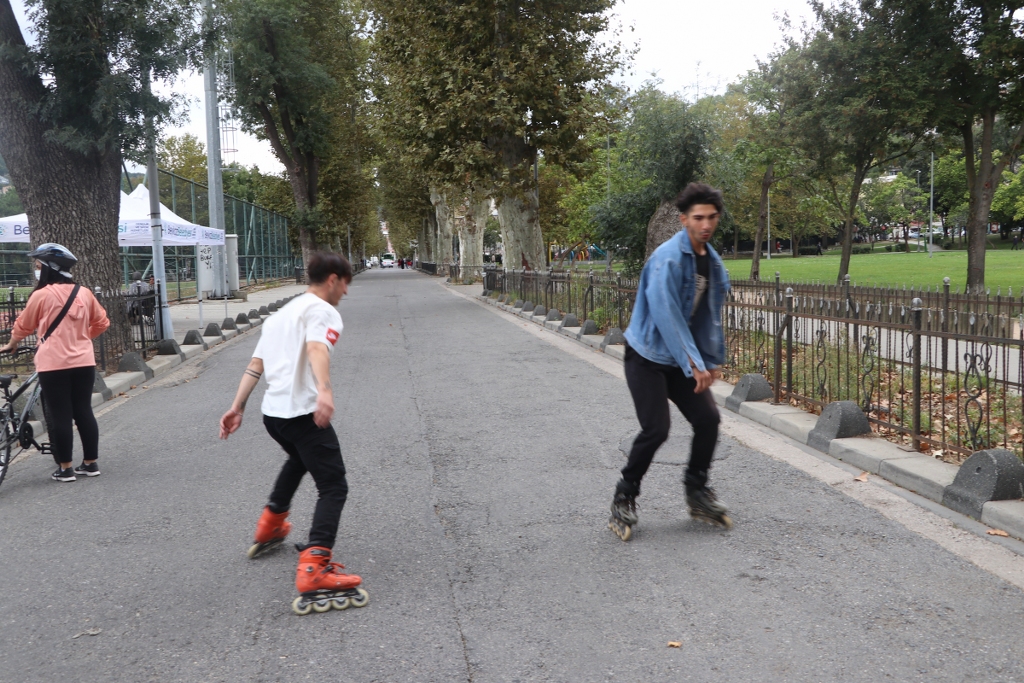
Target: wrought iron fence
<point>141,335</point>
<point>942,373</point>
<point>605,297</point>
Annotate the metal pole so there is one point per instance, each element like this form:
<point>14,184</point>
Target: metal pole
<point>931,209</point>
<point>215,184</point>
<point>916,305</point>
<point>769,226</point>
<point>156,226</point>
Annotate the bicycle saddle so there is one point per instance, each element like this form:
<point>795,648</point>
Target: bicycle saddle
<point>5,380</point>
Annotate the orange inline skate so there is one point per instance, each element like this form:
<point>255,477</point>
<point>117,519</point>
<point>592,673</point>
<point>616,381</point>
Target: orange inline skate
<point>322,586</point>
<point>271,531</point>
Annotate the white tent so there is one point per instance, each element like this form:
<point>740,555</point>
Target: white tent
<point>133,229</point>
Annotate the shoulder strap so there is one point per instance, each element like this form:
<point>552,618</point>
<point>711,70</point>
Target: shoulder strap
<point>63,312</point>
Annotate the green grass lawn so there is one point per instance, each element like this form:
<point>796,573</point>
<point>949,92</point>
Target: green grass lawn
<point>1002,269</point>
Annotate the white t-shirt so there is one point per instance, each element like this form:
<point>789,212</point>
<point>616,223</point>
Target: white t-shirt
<point>282,346</point>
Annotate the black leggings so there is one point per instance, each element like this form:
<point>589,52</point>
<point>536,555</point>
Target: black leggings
<point>317,451</point>
<point>653,385</point>
<point>67,396</point>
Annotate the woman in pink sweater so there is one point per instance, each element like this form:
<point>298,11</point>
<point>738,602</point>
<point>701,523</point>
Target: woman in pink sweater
<point>64,360</point>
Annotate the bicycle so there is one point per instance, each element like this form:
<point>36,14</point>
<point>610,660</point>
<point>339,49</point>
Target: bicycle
<point>15,428</point>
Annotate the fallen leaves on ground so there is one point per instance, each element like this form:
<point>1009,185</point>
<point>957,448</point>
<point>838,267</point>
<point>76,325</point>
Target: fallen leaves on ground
<point>996,532</point>
<point>863,477</point>
<point>673,643</point>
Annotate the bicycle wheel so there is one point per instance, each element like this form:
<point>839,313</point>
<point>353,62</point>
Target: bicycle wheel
<point>7,439</point>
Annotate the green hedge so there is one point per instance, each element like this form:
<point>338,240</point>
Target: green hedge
<point>807,251</point>
<point>897,247</point>
<point>862,250</point>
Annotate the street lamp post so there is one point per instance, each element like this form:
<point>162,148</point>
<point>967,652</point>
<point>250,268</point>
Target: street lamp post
<point>931,208</point>
<point>769,226</point>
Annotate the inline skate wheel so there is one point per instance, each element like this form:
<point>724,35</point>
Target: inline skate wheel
<point>361,599</point>
<point>253,550</point>
<point>621,530</point>
<point>322,606</point>
<point>340,603</point>
<point>300,607</point>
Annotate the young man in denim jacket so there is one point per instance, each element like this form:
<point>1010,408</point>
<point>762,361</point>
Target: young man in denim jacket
<point>675,345</point>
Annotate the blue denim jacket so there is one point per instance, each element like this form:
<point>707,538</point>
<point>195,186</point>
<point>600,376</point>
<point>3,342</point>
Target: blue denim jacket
<point>659,329</point>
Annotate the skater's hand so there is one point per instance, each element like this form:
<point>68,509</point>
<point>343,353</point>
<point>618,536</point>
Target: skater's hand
<point>324,409</point>
<point>704,380</point>
<point>230,423</point>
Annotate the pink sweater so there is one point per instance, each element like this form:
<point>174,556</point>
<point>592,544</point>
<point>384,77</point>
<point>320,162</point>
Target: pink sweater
<point>70,346</point>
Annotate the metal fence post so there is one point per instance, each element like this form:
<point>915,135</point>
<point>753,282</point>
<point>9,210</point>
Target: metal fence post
<point>916,308</point>
<point>789,341</point>
<point>945,322</point>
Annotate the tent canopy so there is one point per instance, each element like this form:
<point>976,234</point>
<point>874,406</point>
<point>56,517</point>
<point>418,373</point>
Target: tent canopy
<point>133,229</point>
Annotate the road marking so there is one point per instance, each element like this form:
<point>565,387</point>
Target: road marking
<point>991,557</point>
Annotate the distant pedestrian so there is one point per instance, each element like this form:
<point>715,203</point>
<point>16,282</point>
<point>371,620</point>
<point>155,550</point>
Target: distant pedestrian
<point>1016,243</point>
<point>674,347</point>
<point>819,252</point>
<point>65,317</point>
<point>294,351</point>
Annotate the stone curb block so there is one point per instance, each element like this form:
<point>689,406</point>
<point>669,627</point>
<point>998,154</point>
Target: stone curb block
<point>552,325</point>
<point>123,381</point>
<point>213,341</point>
<point>264,311</point>
<point>161,365</point>
<point>192,350</point>
<point>797,426</point>
<point>867,452</point>
<point>168,347</point>
<point>591,340</point>
<point>839,420</point>
<point>614,337</point>
<point>553,315</point>
<point>212,330</point>
<point>573,332</point>
<point>589,327</point>
<point>99,388</point>
<point>920,474</point>
<point>989,475</point>
<point>751,387</point>
<point>617,351</point>
<point>721,390</point>
<point>194,338</point>
<point>1007,515</point>
<point>766,413</point>
<point>569,320</point>
<point>241,319</point>
<point>227,324</point>
<point>132,362</point>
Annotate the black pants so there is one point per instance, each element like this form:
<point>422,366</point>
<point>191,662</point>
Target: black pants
<point>67,397</point>
<point>314,450</point>
<point>653,385</point>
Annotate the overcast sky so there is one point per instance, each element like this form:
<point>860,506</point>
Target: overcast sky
<point>692,47</point>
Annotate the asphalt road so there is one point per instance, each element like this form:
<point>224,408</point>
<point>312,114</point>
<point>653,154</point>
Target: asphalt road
<point>481,463</point>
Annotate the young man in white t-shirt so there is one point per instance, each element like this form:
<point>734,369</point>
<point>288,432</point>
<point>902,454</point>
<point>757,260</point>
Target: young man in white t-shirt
<point>294,353</point>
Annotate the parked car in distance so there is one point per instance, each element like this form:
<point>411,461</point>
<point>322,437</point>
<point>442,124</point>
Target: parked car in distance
<point>387,261</point>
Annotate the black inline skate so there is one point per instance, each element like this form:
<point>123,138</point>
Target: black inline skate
<point>705,507</point>
<point>623,516</point>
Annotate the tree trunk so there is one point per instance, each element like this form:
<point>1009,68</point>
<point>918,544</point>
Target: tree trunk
<point>762,221</point>
<point>471,236</point>
<point>851,213</point>
<point>518,216</point>
<point>445,227</point>
<point>71,197</point>
<point>664,224</point>
<point>735,241</point>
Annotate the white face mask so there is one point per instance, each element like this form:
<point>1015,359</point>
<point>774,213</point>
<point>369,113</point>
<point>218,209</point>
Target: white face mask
<point>37,273</point>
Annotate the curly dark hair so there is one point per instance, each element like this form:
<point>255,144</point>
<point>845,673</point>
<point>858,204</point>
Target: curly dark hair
<point>699,193</point>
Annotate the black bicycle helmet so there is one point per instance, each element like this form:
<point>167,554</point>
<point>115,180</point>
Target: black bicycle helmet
<point>55,256</point>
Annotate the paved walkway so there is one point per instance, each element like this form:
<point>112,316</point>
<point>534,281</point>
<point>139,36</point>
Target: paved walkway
<point>481,460</point>
<point>187,316</point>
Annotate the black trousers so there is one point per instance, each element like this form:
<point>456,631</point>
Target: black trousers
<point>314,450</point>
<point>653,385</point>
<point>67,398</point>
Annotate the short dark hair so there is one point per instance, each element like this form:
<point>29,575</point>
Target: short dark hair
<point>699,193</point>
<point>323,263</point>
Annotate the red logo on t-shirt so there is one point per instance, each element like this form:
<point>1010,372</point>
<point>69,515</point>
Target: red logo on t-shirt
<point>332,336</point>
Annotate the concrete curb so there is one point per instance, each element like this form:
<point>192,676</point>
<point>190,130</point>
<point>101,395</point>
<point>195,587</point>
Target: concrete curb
<point>915,472</point>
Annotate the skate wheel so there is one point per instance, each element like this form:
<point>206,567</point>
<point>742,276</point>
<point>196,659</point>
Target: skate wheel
<point>322,606</point>
<point>726,522</point>
<point>301,608</point>
<point>361,599</point>
<point>253,551</point>
<point>622,531</point>
<point>340,603</point>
